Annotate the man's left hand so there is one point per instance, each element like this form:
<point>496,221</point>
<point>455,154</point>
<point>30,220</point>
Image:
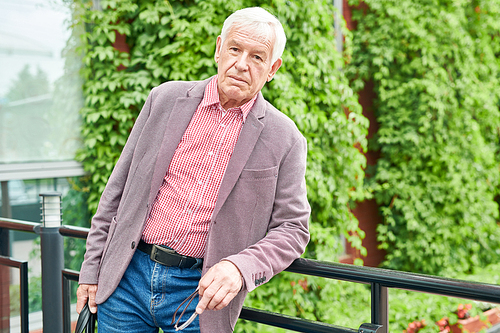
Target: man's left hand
<point>219,286</point>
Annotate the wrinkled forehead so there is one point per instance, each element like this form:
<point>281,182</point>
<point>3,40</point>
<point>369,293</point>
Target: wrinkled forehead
<point>258,31</point>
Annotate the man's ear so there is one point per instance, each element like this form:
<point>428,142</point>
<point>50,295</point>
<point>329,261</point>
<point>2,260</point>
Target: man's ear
<point>274,69</point>
<point>218,46</point>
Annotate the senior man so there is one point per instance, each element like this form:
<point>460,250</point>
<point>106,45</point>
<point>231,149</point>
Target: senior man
<point>209,188</point>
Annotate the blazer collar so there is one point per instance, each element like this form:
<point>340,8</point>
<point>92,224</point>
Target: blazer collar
<point>198,90</point>
<point>259,108</point>
<point>249,135</point>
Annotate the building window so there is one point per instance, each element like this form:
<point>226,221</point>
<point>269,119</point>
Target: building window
<point>40,88</point>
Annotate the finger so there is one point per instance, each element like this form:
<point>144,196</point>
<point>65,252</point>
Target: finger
<point>205,282</point>
<point>82,296</point>
<point>225,301</point>
<point>206,298</point>
<point>221,299</point>
<point>92,304</point>
<point>215,297</point>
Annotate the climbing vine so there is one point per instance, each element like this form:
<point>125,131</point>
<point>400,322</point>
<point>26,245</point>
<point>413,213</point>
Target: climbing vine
<point>435,69</point>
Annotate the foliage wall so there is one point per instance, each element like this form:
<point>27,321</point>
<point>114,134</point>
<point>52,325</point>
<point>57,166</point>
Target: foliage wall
<point>435,68</point>
<point>176,41</point>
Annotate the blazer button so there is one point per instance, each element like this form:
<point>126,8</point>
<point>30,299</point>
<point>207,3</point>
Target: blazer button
<point>132,246</point>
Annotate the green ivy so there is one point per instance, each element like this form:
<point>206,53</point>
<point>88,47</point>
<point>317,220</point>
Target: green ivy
<point>436,73</point>
<point>175,40</point>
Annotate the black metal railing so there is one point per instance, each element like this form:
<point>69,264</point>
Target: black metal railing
<point>23,286</point>
<point>379,279</point>
<point>67,276</point>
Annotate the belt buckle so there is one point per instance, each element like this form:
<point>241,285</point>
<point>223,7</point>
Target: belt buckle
<point>157,248</point>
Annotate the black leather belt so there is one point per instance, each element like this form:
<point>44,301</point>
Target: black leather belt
<point>169,257</point>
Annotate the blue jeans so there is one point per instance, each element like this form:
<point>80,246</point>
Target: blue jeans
<point>147,297</point>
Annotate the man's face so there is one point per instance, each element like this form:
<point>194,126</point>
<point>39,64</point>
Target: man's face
<point>244,66</point>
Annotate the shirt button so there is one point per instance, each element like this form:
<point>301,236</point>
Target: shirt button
<point>200,182</point>
<point>189,211</point>
<point>222,125</point>
<point>132,246</point>
<point>210,153</point>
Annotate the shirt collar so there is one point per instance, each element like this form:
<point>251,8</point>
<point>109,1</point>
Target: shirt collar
<point>211,97</point>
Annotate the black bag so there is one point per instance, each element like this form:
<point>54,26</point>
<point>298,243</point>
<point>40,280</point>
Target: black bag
<point>86,321</point>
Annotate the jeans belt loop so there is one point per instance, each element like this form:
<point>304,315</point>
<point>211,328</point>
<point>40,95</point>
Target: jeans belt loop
<point>198,264</point>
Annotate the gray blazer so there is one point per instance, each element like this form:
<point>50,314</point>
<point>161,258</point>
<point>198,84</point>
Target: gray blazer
<point>260,221</point>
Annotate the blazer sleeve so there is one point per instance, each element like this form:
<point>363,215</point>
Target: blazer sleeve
<point>110,199</point>
<point>287,234</point>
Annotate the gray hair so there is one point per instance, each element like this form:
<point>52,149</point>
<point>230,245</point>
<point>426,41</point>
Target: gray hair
<point>262,23</point>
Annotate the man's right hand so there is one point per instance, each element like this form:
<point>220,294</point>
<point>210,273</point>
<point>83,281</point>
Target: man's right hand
<point>86,292</point>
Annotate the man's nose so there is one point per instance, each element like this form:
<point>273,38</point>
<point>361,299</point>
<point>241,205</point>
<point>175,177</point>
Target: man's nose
<point>242,62</point>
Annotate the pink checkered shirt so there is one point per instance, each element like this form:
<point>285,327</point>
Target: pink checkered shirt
<point>181,212</point>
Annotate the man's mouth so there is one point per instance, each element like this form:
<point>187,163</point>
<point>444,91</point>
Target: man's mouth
<point>236,78</point>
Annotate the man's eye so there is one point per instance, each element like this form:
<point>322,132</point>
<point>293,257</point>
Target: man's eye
<point>257,57</point>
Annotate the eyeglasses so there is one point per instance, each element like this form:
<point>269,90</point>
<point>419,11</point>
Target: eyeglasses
<point>193,316</point>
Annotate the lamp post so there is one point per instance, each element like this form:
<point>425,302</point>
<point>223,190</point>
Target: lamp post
<point>52,253</point>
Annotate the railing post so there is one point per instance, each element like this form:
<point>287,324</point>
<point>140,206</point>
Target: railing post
<point>380,307</point>
<point>52,253</point>
<point>68,276</point>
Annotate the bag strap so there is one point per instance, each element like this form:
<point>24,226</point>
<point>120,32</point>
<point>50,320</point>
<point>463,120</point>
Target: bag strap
<point>86,321</point>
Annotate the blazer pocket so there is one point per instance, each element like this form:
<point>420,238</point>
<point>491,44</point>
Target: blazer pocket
<point>111,232</point>
<point>259,173</point>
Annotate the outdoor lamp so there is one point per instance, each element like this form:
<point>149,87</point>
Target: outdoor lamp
<point>51,209</point>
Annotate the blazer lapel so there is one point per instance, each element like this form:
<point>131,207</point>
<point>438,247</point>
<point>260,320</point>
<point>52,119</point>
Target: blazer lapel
<point>249,135</point>
<point>179,119</point>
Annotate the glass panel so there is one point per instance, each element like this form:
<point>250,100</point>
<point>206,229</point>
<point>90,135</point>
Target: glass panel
<point>40,89</point>
<point>25,200</point>
<point>27,250</point>
<point>7,307</point>
<point>11,308</point>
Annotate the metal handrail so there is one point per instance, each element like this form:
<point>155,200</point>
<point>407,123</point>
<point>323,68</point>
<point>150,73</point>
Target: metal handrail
<point>301,325</point>
<point>399,280</point>
<point>73,231</point>
<point>380,280</point>
<point>363,274</point>
<point>17,225</point>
